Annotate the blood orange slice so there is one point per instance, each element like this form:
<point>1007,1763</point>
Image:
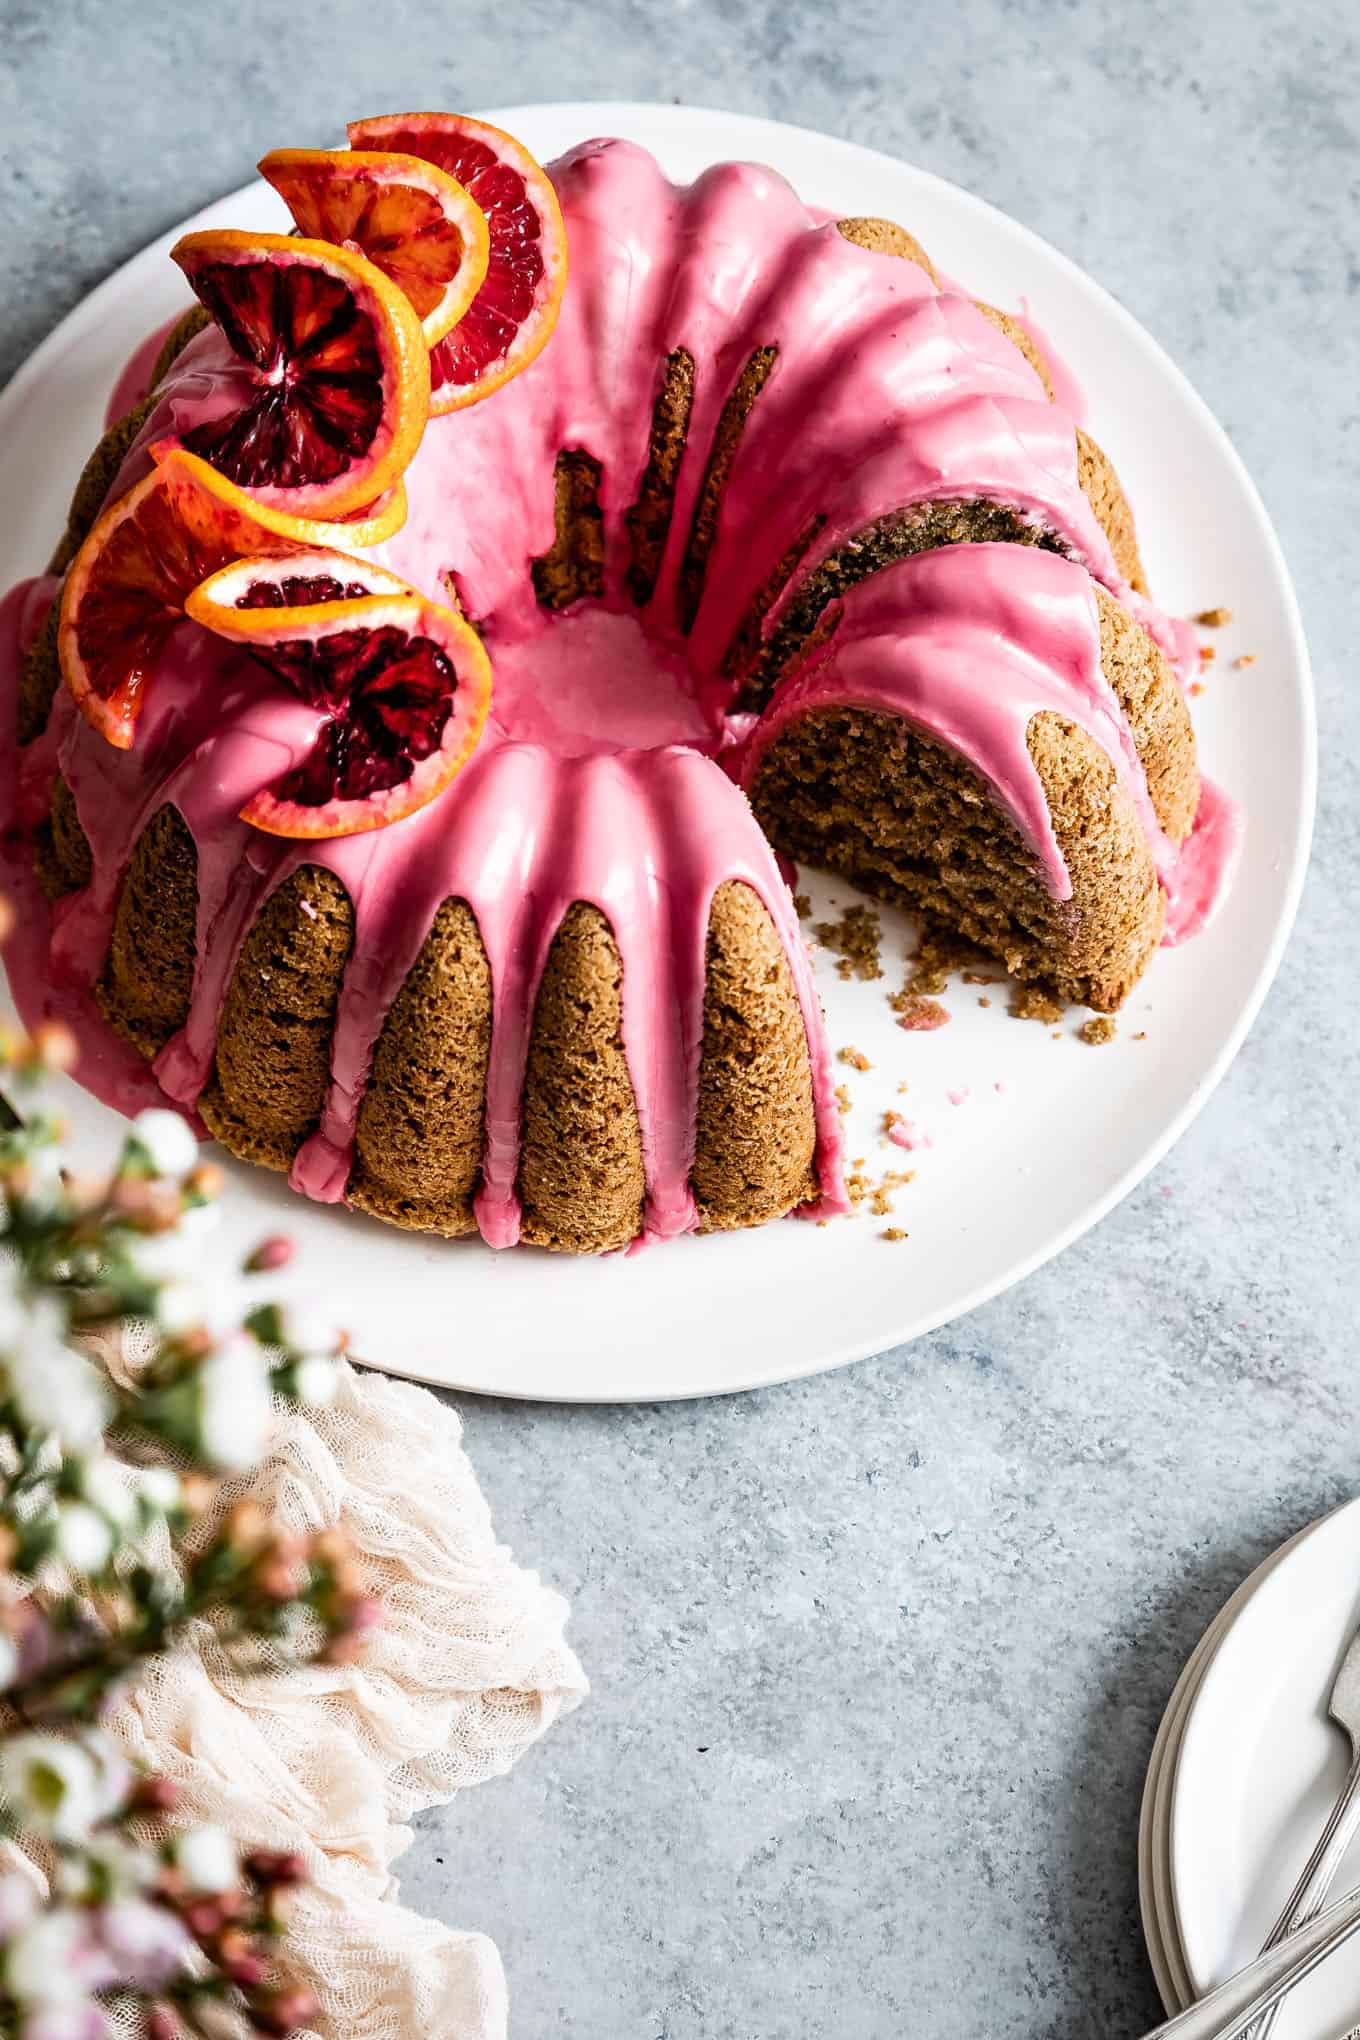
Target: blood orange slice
<point>514,312</point>
<point>127,586</point>
<point>333,391</point>
<point>204,492</point>
<point>411,219</point>
<point>403,686</point>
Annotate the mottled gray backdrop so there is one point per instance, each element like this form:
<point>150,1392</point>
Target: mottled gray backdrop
<point>878,1659</point>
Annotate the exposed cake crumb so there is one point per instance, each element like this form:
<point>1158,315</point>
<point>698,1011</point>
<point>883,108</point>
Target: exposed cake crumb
<point>1141,1036</point>
<point>842,1099</point>
<point>1244,659</point>
<point>938,953</point>
<point>892,1232</point>
<point>802,905</point>
<point>1214,619</point>
<point>904,1133</point>
<point>903,1088</point>
<point>1028,1002</point>
<point>1196,687</point>
<point>855,1057</point>
<point>854,939</point>
<point>1056,1035</point>
<point>920,1016</point>
<point>984,1000</point>
<point>880,1202</point>
<point>1097,1032</point>
<point>1208,654</point>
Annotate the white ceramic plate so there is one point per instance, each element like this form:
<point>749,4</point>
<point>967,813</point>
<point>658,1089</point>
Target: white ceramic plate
<point>1259,1769</point>
<point>1156,1899</point>
<point>1015,1173</point>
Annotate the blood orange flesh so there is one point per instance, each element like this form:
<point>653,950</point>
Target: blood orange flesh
<point>403,686</point>
<point>410,218</point>
<point>335,390</point>
<point>124,595</point>
<point>514,312</point>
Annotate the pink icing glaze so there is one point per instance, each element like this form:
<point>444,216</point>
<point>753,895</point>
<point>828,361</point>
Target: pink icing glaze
<point>599,778</point>
<point>133,384</point>
<point>969,643</point>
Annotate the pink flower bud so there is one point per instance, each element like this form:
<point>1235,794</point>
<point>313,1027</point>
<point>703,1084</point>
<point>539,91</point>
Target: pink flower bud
<point>272,1253</point>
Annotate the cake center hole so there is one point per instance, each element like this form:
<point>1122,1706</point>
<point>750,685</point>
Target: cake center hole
<point>591,680</point>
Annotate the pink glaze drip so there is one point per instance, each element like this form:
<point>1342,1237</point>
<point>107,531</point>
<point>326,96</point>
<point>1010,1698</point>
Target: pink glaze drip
<point>599,776</point>
<point>969,643</point>
<point>135,381</point>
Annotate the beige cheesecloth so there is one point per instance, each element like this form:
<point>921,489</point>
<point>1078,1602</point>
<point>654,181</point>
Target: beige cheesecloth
<point>469,1668</point>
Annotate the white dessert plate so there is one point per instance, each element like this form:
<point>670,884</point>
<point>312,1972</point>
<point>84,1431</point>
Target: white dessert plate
<point>1156,1900</point>
<point>1259,1768</point>
<point>1046,1136</point>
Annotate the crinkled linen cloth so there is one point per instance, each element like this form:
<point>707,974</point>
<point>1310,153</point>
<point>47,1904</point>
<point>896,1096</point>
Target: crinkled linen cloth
<point>469,1668</point>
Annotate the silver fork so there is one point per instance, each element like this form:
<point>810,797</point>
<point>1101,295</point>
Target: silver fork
<point>1319,1872</point>
<point>1231,2011</point>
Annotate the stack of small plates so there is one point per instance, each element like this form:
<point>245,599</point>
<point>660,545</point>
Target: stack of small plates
<point>1245,1769</point>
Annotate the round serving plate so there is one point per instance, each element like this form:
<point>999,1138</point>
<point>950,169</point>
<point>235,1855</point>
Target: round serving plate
<point>1161,1929</point>
<point>1032,1139</point>
<point>1259,1769</point>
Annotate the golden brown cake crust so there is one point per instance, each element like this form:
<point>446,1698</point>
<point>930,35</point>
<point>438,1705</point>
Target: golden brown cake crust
<point>1104,492</point>
<point>885,237</point>
<point>274,1038</point>
<point>722,453</point>
<point>418,1141</point>
<point>1018,337</point>
<point>39,677</point>
<point>756,1128</point>
<point>96,479</point>
<point>580,1175</point>
<point>573,566</point>
<point>149,973</point>
<point>649,520</point>
<point>1154,706</point>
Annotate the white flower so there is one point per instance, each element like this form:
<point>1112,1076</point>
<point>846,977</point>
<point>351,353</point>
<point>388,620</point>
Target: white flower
<point>206,1857</point>
<point>235,1411</point>
<point>84,1538</point>
<point>316,1380</point>
<point>62,1786</point>
<point>159,1488</point>
<point>168,1140</point>
<point>54,1961</point>
<point>56,1389</point>
<point>74,2021</point>
<point>18,1903</point>
<point>308,1328</point>
<point>146,1944</point>
<point>107,1487</point>
<point>178,1251</point>
<point>182,1306</point>
<point>50,1785</point>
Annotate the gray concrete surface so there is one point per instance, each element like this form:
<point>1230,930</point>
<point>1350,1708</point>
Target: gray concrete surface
<point>878,1659</point>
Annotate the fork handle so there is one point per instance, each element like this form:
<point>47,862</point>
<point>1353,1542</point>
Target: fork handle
<point>1231,2011</point>
<point>1317,1876</point>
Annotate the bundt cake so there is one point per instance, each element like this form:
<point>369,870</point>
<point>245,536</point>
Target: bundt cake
<point>780,545</point>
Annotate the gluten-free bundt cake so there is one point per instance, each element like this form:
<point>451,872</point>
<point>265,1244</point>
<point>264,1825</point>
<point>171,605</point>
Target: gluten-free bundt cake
<point>781,544</point>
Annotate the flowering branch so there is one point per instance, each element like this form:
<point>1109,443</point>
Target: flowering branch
<point>108,1553</point>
